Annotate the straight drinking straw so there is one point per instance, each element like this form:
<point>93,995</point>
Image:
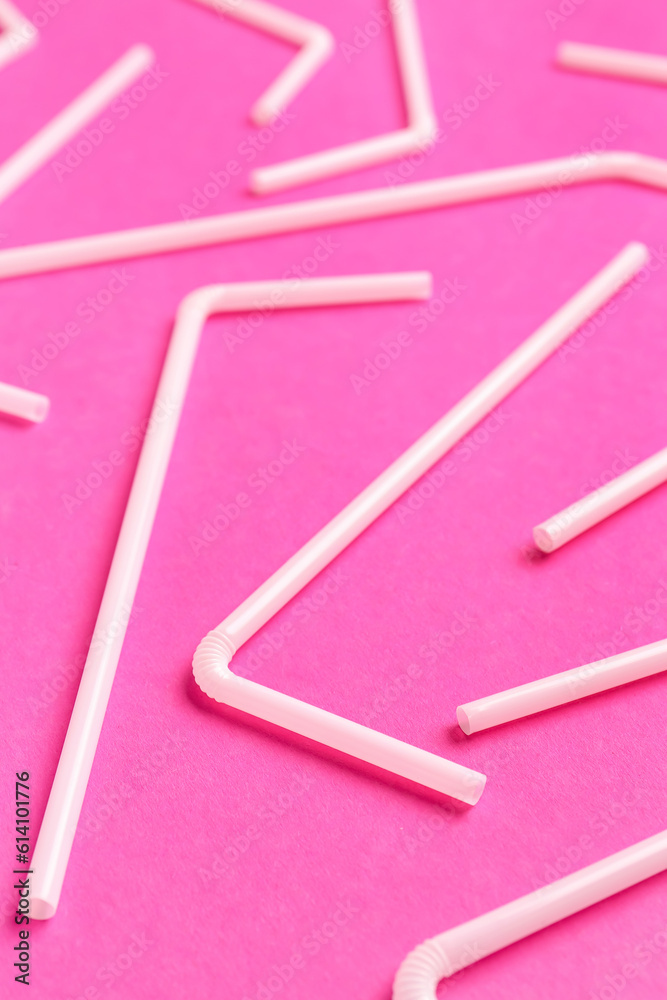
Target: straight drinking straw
<point>446,954</point>
<point>18,33</point>
<point>315,43</point>
<point>612,62</point>
<point>62,812</point>
<point>214,653</point>
<point>560,689</point>
<point>596,506</point>
<point>23,403</point>
<point>378,149</point>
<point>68,122</point>
<point>331,211</point>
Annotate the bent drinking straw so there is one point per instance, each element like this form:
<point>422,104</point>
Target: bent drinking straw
<point>330,211</point>
<point>18,33</point>
<point>38,150</point>
<point>612,62</point>
<point>23,403</point>
<point>378,149</point>
<point>214,653</point>
<point>562,688</point>
<point>315,43</point>
<point>446,954</point>
<point>593,508</point>
<point>64,805</point>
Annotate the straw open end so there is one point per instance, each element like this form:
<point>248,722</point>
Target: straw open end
<point>543,539</point>
<point>476,789</point>
<point>41,409</point>
<point>463,721</point>
<point>41,909</point>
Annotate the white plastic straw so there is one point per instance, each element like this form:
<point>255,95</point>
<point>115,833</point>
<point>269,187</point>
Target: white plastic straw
<point>63,808</point>
<point>315,44</point>
<point>562,688</point>
<point>595,507</point>
<point>448,953</point>
<point>612,62</point>
<point>376,498</point>
<point>68,122</point>
<point>214,653</point>
<point>331,211</point>
<point>18,34</point>
<point>23,403</point>
<point>369,152</point>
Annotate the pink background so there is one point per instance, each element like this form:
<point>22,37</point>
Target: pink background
<point>177,781</point>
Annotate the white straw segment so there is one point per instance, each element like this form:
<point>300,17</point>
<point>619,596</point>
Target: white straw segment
<point>55,838</point>
<point>331,211</point>
<point>215,651</point>
<point>595,507</point>
<point>23,403</point>
<point>612,62</point>
<point>368,152</point>
<point>315,44</point>
<point>68,122</point>
<point>562,688</point>
<point>18,34</point>
<point>394,481</point>
<point>443,956</point>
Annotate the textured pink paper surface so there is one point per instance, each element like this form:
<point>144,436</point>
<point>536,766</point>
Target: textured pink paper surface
<point>213,850</point>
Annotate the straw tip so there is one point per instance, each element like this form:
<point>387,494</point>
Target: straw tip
<point>263,113</point>
<point>638,250</point>
<point>143,53</point>
<point>464,722</point>
<point>41,409</point>
<point>41,909</point>
<point>543,539</point>
<point>476,789</point>
<point>257,184</point>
